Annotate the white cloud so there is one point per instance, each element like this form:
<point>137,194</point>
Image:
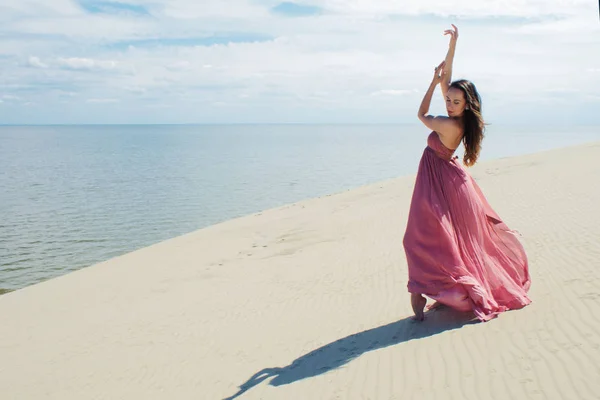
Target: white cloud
<point>102,101</point>
<point>367,59</point>
<point>179,66</point>
<point>36,62</point>
<point>493,8</point>
<point>34,8</point>
<point>80,28</point>
<point>86,63</point>
<point>209,9</point>
<point>63,93</point>
<point>394,92</point>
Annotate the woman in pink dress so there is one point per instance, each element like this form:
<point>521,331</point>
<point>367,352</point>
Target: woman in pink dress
<point>459,252</point>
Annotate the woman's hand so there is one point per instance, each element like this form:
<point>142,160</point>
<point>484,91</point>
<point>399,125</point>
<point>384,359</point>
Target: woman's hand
<point>440,73</point>
<point>453,34</point>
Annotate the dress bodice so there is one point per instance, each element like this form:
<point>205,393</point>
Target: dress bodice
<point>435,144</point>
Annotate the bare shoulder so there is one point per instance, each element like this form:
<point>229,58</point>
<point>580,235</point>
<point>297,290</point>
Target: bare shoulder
<point>448,129</point>
<point>452,135</point>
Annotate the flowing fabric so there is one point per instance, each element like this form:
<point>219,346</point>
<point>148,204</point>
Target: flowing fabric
<point>459,251</point>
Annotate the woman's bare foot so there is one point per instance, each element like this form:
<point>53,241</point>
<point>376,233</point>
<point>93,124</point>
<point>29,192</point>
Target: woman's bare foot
<point>435,306</point>
<point>418,305</point>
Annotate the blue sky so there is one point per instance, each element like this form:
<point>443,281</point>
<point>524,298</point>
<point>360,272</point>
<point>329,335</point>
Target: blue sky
<point>112,7</point>
<point>320,61</point>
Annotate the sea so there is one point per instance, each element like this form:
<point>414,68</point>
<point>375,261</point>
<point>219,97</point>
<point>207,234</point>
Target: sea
<point>72,196</point>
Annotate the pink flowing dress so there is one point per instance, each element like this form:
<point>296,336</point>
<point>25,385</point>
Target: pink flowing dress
<point>459,251</point>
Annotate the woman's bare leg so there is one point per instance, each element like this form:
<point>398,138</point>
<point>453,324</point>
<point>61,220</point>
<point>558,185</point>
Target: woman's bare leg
<point>418,305</point>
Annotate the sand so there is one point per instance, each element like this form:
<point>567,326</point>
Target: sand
<point>309,301</point>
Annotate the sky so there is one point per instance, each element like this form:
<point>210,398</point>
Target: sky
<point>317,61</point>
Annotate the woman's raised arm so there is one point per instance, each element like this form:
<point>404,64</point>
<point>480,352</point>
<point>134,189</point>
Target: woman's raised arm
<point>445,84</point>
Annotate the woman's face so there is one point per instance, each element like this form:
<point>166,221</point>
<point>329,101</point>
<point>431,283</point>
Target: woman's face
<point>455,102</point>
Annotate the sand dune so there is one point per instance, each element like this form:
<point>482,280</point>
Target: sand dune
<point>309,301</point>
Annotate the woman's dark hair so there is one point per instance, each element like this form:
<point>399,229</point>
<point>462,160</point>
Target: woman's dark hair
<point>473,121</point>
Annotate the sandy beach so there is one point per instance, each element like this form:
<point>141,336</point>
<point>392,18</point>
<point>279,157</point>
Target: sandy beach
<point>309,301</point>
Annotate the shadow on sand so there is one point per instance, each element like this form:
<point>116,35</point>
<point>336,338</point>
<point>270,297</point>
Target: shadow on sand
<point>342,351</point>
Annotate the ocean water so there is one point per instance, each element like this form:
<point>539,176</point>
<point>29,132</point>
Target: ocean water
<point>72,196</point>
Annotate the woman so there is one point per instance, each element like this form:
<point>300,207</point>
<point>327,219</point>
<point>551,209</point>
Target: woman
<point>459,252</point>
